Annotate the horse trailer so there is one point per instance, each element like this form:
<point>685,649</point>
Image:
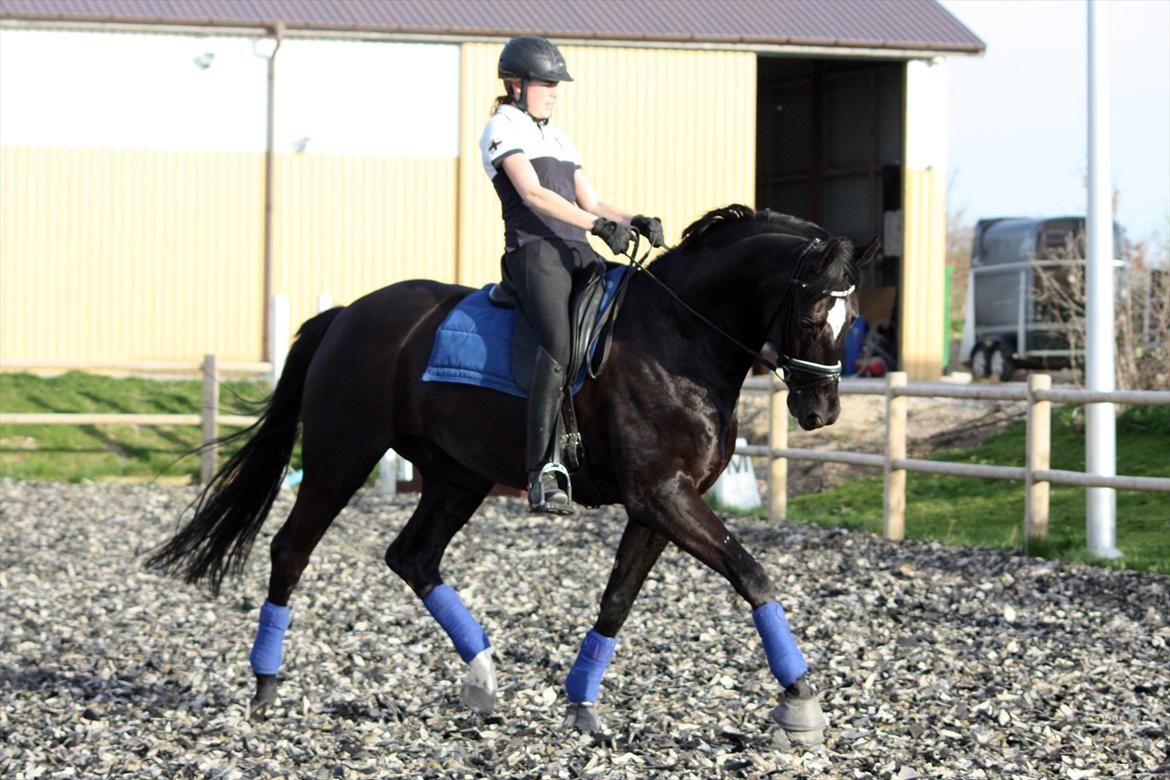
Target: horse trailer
<point>1025,283</point>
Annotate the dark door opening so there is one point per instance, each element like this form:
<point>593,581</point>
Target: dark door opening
<point>829,140</point>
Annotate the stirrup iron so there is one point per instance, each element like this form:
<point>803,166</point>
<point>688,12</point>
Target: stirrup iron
<point>553,469</point>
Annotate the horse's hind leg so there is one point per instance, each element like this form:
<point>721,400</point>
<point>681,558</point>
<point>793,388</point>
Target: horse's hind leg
<point>636,556</point>
<point>450,496</point>
<point>323,494</point>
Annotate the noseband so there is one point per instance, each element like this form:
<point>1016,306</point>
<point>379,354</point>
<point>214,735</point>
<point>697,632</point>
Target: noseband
<point>785,364</point>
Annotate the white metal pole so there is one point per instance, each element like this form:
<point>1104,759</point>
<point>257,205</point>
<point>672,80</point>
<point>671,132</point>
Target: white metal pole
<point>1100,419</point>
<point>280,334</point>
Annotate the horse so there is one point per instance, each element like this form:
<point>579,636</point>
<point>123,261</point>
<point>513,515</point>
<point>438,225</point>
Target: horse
<point>658,426</point>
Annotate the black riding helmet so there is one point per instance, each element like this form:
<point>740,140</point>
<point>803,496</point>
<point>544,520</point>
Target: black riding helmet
<point>531,57</point>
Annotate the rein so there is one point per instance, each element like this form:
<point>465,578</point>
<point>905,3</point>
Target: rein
<point>785,364</point>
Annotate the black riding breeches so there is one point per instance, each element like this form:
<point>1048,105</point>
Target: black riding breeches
<point>542,274</point>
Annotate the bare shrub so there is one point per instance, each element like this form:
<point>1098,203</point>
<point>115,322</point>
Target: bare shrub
<point>1141,314</point>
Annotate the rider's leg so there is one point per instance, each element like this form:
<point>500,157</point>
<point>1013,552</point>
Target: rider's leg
<point>542,274</point>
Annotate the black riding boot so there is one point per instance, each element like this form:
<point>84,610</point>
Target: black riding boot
<point>545,493</point>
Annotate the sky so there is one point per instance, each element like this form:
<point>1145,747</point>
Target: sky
<point>1018,114</point>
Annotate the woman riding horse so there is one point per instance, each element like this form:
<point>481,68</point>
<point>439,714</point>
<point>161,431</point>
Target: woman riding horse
<point>548,203</point>
<point>658,427</point>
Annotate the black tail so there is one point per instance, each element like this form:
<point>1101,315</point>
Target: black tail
<point>231,509</point>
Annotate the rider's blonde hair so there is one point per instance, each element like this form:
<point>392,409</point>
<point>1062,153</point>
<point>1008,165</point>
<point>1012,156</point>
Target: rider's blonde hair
<point>505,99</point>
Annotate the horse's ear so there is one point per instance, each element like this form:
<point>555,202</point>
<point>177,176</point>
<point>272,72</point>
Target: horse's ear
<point>871,251</point>
<point>835,249</point>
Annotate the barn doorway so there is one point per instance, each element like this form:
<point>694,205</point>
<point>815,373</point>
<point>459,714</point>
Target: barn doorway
<point>829,147</point>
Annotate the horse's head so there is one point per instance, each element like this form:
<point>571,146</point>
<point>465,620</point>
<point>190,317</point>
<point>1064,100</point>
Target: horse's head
<point>807,336</point>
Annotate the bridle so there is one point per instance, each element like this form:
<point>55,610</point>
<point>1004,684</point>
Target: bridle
<point>785,365</point>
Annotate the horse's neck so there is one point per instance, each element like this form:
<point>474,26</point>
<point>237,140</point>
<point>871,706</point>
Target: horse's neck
<point>722,285</point>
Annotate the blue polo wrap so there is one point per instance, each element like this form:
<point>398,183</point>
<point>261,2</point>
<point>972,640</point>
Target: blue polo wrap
<point>784,657</point>
<point>444,605</point>
<point>266,649</point>
<point>584,681</point>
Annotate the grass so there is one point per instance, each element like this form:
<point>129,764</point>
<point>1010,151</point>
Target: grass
<point>110,452</point>
<point>954,510</point>
<point>989,513</point>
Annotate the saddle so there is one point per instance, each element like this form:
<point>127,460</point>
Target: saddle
<point>585,326</point>
<point>584,303</point>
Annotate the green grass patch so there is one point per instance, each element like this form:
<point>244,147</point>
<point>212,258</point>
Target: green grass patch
<point>990,513</point>
<point>103,452</point>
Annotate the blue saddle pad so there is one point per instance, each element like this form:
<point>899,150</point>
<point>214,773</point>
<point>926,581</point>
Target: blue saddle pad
<point>473,345</point>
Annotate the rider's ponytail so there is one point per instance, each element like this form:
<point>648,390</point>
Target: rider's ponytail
<point>503,100</point>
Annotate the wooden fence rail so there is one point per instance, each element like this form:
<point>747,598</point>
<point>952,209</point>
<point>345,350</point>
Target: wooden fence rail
<point>1036,474</point>
<point>209,419</point>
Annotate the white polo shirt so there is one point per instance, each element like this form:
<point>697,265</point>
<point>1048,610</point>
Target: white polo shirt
<point>511,131</point>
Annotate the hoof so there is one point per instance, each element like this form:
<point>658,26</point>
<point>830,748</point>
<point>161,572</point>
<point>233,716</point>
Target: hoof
<point>479,687</point>
<point>789,740</point>
<point>265,697</point>
<point>583,717</point>
<point>801,718</point>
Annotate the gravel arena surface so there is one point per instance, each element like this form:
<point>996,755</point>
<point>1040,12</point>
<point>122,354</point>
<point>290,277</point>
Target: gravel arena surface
<point>933,661</point>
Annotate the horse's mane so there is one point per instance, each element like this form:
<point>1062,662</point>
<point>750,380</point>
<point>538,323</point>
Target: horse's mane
<point>720,227</point>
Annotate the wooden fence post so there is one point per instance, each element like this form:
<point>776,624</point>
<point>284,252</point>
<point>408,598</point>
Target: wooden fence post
<point>777,439</point>
<point>1039,457</point>
<point>894,517</point>
<point>210,414</point>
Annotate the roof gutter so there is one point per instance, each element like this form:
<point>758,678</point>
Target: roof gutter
<point>779,46</point>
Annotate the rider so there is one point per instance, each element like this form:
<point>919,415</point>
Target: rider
<point>548,203</point>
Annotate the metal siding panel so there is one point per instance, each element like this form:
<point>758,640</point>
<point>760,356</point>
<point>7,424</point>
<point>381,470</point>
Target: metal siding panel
<point>129,255</point>
<point>156,255</point>
<point>350,225</point>
<point>481,229</point>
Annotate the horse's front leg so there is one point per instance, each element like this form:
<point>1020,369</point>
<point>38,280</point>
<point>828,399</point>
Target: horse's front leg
<point>679,513</point>
<point>636,555</point>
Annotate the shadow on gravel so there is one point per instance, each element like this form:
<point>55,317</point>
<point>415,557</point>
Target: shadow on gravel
<point>152,697</point>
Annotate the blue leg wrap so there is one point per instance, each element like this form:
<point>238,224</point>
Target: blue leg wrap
<point>584,681</point>
<point>444,605</point>
<point>784,657</point>
<point>266,650</point>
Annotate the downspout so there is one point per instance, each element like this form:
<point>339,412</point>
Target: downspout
<point>269,160</point>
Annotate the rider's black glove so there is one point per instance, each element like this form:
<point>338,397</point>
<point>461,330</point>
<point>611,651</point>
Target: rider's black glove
<point>615,236</point>
<point>651,227</point>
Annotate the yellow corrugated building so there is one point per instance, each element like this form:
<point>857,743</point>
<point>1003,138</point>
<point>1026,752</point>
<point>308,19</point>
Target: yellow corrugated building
<point>132,160</point>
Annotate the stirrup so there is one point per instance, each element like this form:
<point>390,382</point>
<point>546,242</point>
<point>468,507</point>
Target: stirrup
<point>538,502</point>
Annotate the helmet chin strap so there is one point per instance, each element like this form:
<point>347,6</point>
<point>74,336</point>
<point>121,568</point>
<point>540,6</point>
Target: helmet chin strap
<point>522,104</point>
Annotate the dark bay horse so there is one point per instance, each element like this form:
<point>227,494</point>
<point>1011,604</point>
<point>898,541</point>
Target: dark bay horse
<point>658,426</point>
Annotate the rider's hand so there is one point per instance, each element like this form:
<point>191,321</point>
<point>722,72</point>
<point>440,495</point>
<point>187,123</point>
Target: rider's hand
<point>651,227</point>
<point>615,235</point>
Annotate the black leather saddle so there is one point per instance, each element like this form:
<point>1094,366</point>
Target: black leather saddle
<point>584,303</point>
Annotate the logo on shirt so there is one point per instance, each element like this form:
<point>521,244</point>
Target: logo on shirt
<point>495,144</point>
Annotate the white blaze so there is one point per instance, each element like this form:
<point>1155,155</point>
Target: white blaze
<point>837,317</point>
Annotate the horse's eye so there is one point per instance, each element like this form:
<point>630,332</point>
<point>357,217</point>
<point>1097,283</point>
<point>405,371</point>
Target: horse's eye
<point>809,324</point>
